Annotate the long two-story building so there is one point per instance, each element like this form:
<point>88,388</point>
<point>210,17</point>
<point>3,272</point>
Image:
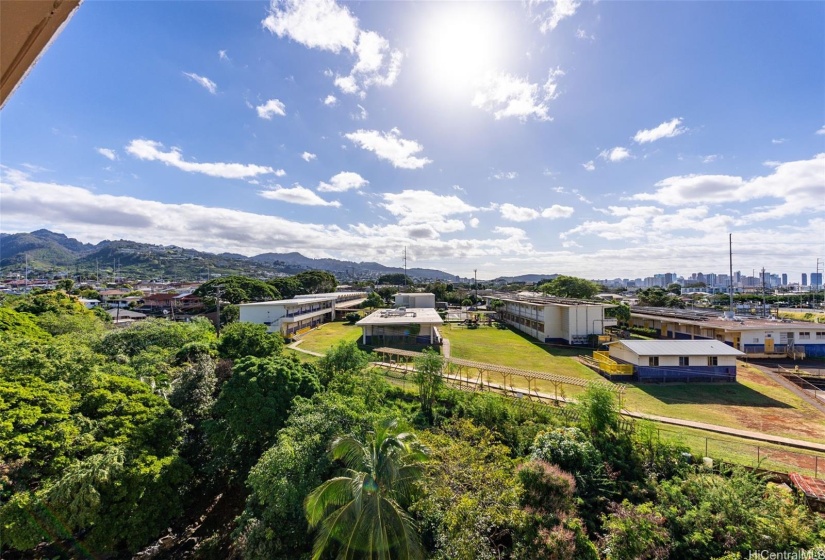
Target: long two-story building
<point>552,319</point>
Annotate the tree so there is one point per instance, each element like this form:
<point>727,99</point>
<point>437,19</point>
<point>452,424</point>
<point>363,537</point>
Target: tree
<point>397,279</point>
<point>570,287</point>
<point>635,532</point>
<point>620,312</point>
<point>675,288</point>
<point>253,405</point>
<point>353,317</point>
<point>316,281</point>
<point>428,376</point>
<point>342,359</point>
<point>374,300</point>
<point>66,285</point>
<point>237,289</point>
<point>364,511</point>
<point>288,286</point>
<point>386,292</point>
<point>242,339</point>
<point>657,297</point>
<point>599,411</point>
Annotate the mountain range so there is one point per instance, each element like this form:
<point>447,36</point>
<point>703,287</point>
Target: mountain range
<point>50,253</point>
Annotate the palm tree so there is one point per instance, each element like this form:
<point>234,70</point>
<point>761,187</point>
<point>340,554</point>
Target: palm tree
<point>364,511</point>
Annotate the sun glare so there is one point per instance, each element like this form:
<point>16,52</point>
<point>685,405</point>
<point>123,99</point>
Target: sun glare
<point>459,44</point>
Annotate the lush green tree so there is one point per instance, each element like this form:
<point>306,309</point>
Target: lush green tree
<point>386,293</point>
<point>316,281</point>
<point>598,410</point>
<point>570,287</point>
<point>253,405</point>
<point>373,300</point>
<point>709,515</point>
<point>620,312</point>
<point>674,288</point>
<point>635,532</point>
<point>363,511</point>
<point>53,301</point>
<point>162,333</point>
<point>287,286</point>
<point>353,317</point>
<point>345,358</point>
<point>237,289</point>
<point>470,505</point>
<point>429,378</point>
<point>273,524</point>
<point>66,285</point>
<point>396,279</point>
<point>19,324</point>
<point>658,297</point>
<point>242,339</point>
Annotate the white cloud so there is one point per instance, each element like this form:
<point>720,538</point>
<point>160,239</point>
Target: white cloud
<point>510,232</point>
<point>422,207</point>
<point>779,140</point>
<point>517,213</point>
<point>616,154</point>
<point>582,34</point>
<point>800,185</point>
<point>820,131</point>
<point>271,108</point>
<point>107,153</point>
<point>210,86</point>
<point>330,100</point>
<point>710,158</point>
<point>505,175</point>
<point>361,115</point>
<point>297,195</point>
<point>316,24</point>
<point>667,129</point>
<point>551,12</point>
<point>473,222</point>
<point>391,147</point>
<point>222,55</point>
<point>505,95</point>
<point>343,181</point>
<point>325,25</point>
<point>306,156</point>
<point>557,211</point>
<point>153,151</point>
<point>589,166</point>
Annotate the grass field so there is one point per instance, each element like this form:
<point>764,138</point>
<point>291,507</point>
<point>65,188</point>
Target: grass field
<point>328,335</point>
<point>813,317</point>
<point>755,402</point>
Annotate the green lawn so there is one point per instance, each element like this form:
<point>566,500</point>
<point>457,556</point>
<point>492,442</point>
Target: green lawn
<point>754,402</point>
<point>328,335</point>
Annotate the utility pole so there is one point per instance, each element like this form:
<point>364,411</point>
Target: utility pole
<point>475,282</point>
<point>730,261</point>
<point>818,277</point>
<point>405,266</point>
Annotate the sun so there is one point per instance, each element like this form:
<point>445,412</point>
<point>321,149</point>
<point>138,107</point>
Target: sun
<point>459,43</point>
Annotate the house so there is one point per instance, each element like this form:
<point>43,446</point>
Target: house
<point>188,303</point>
<point>89,303</point>
<point>752,335</point>
<point>290,317</point>
<point>416,300</point>
<point>552,319</point>
<point>677,360</point>
<point>386,326</point>
<point>122,317</point>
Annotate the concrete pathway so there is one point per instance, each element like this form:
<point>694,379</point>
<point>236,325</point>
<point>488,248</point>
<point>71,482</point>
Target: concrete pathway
<point>295,344</point>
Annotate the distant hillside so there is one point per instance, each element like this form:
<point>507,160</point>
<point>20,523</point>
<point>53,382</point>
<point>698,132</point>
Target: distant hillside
<point>52,253</point>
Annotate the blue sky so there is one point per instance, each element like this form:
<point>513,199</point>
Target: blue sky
<point>609,139</point>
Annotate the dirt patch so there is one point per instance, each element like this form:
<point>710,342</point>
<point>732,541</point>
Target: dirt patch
<point>789,423</point>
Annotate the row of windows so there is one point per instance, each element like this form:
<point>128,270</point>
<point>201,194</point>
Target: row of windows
<point>653,361</point>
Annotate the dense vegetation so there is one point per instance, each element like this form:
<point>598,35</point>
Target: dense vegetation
<point>109,436</point>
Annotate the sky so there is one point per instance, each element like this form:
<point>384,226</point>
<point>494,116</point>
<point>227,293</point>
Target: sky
<point>603,140</point>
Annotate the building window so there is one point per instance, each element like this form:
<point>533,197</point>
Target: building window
<point>820,335</point>
<point>684,361</point>
<point>653,361</point>
<point>804,335</point>
<point>713,361</point>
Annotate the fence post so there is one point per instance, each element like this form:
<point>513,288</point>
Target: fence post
<point>816,467</point>
<point>706,447</point>
<point>757,456</point>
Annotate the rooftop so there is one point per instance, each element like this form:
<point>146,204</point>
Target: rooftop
<point>293,301</point>
<point>713,318</point>
<point>547,300</point>
<point>411,315</point>
<point>680,348</point>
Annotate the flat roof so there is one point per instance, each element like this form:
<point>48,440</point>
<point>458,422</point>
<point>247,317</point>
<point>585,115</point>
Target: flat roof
<point>548,300</point>
<point>293,301</point>
<point>714,319</point>
<point>679,348</point>
<point>415,294</point>
<point>412,316</point>
<point>329,294</point>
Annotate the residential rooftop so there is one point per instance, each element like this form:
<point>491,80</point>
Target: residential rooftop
<point>680,348</point>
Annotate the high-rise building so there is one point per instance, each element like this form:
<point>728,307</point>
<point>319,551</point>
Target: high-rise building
<point>784,279</point>
<point>816,279</point>
<point>804,279</point>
